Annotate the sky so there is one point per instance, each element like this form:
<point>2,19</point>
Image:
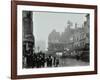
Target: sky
<point>45,22</point>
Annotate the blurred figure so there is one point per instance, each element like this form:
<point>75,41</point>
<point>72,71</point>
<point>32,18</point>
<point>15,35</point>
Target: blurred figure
<point>57,62</point>
<point>38,61</point>
<point>49,61</point>
<point>34,60</point>
<point>54,61</point>
<point>29,60</point>
<point>42,60</point>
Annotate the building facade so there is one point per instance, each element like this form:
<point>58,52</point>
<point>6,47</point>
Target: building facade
<point>28,40</point>
<point>75,39</point>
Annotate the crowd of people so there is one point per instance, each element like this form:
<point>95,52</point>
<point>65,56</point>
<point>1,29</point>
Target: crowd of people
<point>40,60</point>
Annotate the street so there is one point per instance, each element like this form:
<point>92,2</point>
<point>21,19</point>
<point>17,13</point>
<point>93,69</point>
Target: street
<point>71,62</point>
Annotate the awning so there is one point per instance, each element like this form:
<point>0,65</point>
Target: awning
<point>28,38</point>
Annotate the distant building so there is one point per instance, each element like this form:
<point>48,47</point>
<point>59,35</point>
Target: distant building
<point>40,46</point>
<point>54,37</point>
<point>59,42</point>
<point>65,36</point>
<point>72,38</point>
<point>87,28</point>
<point>78,37</point>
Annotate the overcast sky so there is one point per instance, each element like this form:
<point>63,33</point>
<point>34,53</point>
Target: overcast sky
<point>45,22</point>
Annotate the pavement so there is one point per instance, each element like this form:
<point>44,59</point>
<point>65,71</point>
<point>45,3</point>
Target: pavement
<point>71,62</point>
